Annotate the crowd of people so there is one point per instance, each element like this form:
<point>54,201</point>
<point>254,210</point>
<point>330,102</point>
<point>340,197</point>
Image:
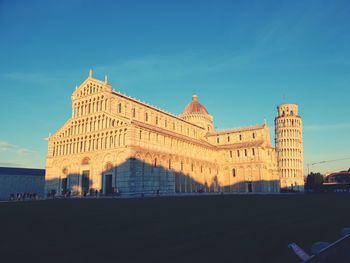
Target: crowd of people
<point>24,196</point>
<point>90,193</point>
<point>63,194</point>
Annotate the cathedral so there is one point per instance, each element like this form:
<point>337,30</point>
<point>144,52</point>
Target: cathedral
<point>116,144</point>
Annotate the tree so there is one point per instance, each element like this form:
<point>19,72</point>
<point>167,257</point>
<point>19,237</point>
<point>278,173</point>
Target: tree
<point>314,182</point>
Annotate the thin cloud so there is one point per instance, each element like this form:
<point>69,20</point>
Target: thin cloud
<point>9,164</point>
<point>327,127</point>
<point>35,77</point>
<point>8,147</point>
<point>26,76</point>
<point>24,152</point>
<point>5,146</point>
<point>157,67</point>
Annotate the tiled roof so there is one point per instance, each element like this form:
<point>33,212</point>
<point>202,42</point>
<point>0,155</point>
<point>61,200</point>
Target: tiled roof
<point>154,108</point>
<point>256,143</point>
<point>195,107</point>
<point>249,128</point>
<point>174,134</point>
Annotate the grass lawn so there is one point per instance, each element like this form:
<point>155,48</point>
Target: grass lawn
<point>236,228</point>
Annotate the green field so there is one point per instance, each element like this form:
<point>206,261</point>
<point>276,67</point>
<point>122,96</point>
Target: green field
<point>236,228</point>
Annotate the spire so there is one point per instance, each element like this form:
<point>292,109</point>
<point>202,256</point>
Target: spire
<point>194,97</point>
<point>90,74</point>
<point>106,80</point>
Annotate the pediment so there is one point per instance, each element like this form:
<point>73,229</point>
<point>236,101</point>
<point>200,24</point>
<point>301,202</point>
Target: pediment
<point>91,86</point>
<point>116,122</point>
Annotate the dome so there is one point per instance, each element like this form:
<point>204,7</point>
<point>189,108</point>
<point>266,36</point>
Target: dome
<point>195,107</point>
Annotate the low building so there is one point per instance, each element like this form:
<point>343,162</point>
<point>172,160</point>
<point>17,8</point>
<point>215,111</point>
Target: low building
<point>337,182</point>
<point>21,180</point>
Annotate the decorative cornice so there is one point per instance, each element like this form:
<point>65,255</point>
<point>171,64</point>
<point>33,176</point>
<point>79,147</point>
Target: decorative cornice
<point>236,130</point>
<point>174,134</point>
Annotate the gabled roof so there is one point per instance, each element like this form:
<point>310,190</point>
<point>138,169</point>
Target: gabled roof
<point>236,130</point>
<point>155,108</point>
<point>104,85</point>
<point>256,143</point>
<point>173,134</point>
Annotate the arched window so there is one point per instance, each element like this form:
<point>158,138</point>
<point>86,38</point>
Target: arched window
<point>253,135</point>
<point>85,161</point>
<point>233,172</point>
<point>65,170</point>
<point>108,166</point>
<point>146,116</point>
<point>155,162</point>
<point>119,108</point>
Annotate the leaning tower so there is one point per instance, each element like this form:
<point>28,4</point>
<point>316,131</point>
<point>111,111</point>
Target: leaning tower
<point>289,146</point>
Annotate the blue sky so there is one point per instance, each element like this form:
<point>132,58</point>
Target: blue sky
<point>241,57</point>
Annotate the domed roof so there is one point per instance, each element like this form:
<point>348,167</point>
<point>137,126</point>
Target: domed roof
<point>195,107</point>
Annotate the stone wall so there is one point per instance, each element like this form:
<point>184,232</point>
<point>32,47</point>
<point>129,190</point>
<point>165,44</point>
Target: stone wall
<point>20,183</point>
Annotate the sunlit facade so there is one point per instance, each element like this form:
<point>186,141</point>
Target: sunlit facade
<point>289,146</point>
<point>115,143</point>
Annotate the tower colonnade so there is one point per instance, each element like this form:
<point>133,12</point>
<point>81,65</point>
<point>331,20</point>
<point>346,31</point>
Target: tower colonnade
<point>289,146</point>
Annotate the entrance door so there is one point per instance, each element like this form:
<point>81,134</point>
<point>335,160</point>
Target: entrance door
<point>108,184</point>
<point>250,187</point>
<point>85,182</point>
<point>64,185</point>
